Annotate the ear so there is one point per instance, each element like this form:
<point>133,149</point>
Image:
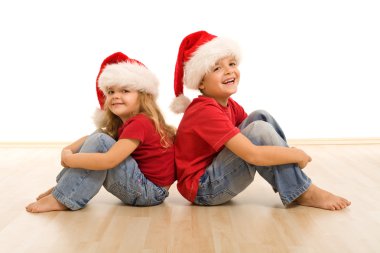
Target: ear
<point>201,86</point>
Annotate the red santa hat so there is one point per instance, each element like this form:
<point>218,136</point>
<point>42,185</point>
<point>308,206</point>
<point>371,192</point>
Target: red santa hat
<point>197,53</point>
<point>120,70</point>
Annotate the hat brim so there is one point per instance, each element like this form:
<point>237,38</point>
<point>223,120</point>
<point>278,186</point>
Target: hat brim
<point>130,75</point>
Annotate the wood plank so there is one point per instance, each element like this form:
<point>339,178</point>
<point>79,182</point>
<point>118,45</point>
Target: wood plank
<point>255,221</point>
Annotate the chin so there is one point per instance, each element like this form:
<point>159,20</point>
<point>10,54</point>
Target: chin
<point>232,91</point>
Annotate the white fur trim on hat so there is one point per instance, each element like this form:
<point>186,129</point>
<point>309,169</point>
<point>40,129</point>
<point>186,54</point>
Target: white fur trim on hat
<point>206,57</point>
<point>131,75</point>
<point>180,103</point>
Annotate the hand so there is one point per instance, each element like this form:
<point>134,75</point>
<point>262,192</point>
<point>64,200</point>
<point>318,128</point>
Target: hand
<point>305,158</point>
<point>64,154</point>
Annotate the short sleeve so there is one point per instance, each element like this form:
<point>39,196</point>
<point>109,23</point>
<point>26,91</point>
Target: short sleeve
<point>136,128</point>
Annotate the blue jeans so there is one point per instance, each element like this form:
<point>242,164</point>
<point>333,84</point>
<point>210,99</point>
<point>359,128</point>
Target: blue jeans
<point>76,187</point>
<point>229,175</point>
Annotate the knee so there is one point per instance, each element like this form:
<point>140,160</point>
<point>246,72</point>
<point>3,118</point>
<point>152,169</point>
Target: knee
<point>254,116</point>
<point>260,115</point>
<point>262,133</point>
<point>97,142</point>
<point>258,127</point>
<point>99,136</point>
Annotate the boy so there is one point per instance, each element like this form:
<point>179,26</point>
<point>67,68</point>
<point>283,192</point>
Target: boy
<point>219,147</point>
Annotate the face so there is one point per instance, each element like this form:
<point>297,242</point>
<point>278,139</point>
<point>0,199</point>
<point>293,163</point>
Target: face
<point>222,81</point>
<point>122,101</point>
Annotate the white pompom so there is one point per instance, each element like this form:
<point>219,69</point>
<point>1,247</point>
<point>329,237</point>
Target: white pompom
<point>180,103</point>
<point>99,118</point>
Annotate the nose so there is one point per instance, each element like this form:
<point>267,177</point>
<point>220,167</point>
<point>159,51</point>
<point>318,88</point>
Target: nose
<point>229,70</point>
<point>115,95</point>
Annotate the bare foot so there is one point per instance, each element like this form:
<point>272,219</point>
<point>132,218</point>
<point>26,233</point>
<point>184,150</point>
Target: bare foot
<point>319,198</point>
<point>45,193</point>
<point>46,204</point>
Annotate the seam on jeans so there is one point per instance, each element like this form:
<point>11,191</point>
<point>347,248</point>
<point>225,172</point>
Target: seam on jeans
<point>126,194</point>
<point>207,199</point>
<point>230,172</point>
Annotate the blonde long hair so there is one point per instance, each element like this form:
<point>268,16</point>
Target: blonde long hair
<point>149,107</point>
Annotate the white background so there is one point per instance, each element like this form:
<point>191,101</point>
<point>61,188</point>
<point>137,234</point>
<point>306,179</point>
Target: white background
<point>315,65</point>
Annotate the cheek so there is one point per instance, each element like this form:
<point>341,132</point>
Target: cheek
<point>106,102</point>
<point>135,102</point>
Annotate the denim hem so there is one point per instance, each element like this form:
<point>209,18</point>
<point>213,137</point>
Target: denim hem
<point>64,200</point>
<point>286,200</point>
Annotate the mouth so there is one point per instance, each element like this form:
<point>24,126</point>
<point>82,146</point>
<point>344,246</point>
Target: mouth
<point>229,81</point>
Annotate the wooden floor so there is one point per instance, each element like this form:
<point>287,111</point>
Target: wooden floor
<point>255,221</point>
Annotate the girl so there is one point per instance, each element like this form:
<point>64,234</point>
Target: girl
<point>219,147</point>
<point>131,154</point>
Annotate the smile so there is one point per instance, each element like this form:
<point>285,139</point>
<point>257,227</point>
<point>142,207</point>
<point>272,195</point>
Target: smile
<point>229,81</point>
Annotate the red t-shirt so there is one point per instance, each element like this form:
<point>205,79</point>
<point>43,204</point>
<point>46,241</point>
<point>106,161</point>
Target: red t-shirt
<point>155,162</point>
<point>204,129</point>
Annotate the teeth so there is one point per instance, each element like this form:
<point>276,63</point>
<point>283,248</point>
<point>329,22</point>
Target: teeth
<point>229,81</point>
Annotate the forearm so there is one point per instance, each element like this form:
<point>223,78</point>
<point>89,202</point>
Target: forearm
<point>266,155</point>
<point>276,155</point>
<point>90,161</point>
<point>100,161</point>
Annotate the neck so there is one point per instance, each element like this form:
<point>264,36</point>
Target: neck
<point>223,102</point>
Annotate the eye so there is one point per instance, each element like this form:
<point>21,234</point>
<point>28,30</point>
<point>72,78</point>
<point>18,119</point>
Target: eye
<point>216,68</point>
<point>233,64</point>
<point>110,92</point>
<point>125,91</point>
